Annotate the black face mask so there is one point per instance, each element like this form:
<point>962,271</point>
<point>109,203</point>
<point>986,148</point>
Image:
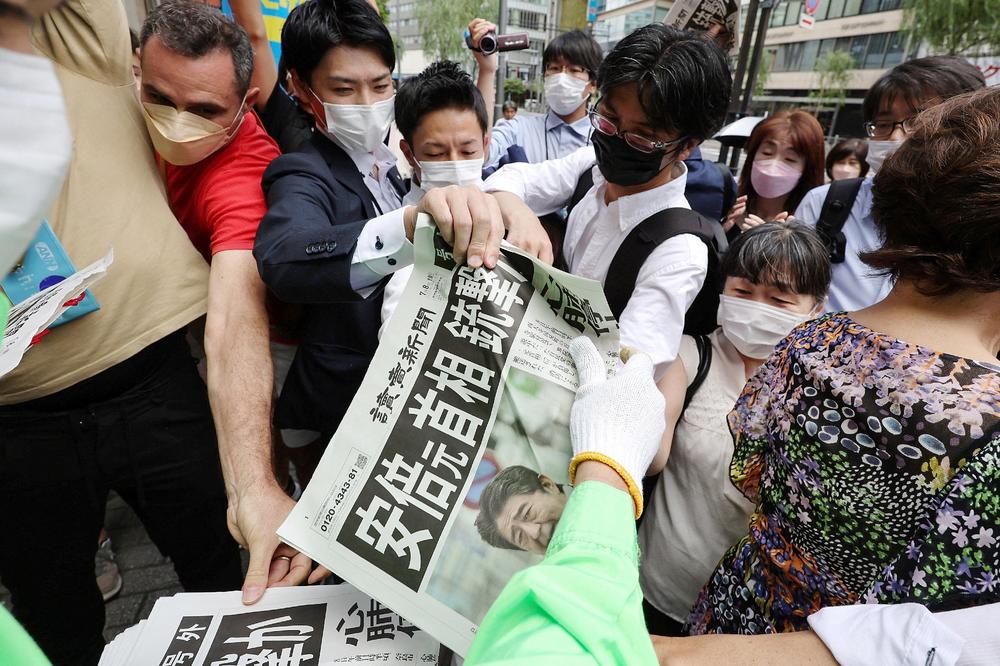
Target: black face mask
<point>622,164</point>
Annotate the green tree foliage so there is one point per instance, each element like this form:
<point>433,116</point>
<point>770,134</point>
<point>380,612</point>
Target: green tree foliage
<point>834,77</point>
<point>763,73</point>
<point>443,24</point>
<point>953,27</point>
<point>383,9</point>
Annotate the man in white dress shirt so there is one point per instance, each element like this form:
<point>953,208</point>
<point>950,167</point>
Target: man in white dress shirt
<point>661,93</point>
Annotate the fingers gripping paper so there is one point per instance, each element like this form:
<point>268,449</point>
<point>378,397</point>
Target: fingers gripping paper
<point>450,469</point>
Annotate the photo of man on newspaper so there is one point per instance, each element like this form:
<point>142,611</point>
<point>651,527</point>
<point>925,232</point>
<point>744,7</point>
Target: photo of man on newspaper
<point>507,520</point>
<point>520,509</point>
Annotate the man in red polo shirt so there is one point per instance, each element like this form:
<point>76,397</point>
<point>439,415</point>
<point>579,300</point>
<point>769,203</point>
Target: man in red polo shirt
<point>197,102</point>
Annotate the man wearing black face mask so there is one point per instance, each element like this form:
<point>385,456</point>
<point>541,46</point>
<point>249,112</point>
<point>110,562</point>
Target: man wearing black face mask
<point>661,92</point>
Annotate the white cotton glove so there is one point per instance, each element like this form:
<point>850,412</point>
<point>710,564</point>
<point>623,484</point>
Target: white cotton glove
<point>618,420</point>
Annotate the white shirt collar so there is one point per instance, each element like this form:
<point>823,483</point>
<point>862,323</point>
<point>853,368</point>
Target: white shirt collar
<point>634,208</point>
<point>581,126</point>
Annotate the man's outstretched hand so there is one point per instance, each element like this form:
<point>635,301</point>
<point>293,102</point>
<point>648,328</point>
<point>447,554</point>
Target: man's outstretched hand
<point>254,517</point>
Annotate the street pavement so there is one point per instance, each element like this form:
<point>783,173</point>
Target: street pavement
<point>147,575</point>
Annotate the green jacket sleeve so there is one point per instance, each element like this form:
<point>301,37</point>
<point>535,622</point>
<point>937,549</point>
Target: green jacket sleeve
<point>16,647</point>
<point>580,605</point>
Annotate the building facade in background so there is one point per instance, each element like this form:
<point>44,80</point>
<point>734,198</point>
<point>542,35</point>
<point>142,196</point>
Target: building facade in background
<point>870,31</point>
<point>618,18</point>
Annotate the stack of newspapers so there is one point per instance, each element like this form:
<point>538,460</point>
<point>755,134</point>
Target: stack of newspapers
<point>296,626</point>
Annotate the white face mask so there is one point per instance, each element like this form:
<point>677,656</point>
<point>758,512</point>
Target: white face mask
<point>755,328</point>
<point>841,170</point>
<point>357,128</point>
<point>442,174</point>
<point>35,149</point>
<point>878,151</point>
<point>564,93</point>
<point>182,138</point>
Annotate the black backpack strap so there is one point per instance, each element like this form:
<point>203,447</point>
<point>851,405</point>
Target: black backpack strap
<point>832,217</point>
<point>583,185</point>
<point>640,243</point>
<point>704,346</point>
<point>555,224</point>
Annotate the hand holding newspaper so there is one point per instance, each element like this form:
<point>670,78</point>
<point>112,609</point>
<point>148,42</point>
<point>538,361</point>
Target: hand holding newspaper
<point>450,470</point>
<point>34,314</point>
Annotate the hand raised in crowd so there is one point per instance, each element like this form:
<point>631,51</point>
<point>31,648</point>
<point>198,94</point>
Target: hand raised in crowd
<point>752,220</point>
<point>524,230</point>
<point>469,219</point>
<point>618,418</point>
<point>477,30</point>
<point>253,520</point>
<point>736,214</point>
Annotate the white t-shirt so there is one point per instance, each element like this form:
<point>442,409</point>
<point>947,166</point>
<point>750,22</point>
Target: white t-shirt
<point>696,513</point>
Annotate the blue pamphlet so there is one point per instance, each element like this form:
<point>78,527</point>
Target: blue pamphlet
<point>45,264</point>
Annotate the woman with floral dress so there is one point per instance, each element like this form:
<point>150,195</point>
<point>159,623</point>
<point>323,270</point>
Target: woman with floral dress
<point>870,441</point>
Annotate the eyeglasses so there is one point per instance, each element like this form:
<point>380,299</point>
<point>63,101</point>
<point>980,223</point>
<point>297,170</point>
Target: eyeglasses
<point>881,129</point>
<point>575,70</point>
<point>637,141</point>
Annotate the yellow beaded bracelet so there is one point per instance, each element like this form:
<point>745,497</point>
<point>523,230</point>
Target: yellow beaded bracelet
<point>634,490</point>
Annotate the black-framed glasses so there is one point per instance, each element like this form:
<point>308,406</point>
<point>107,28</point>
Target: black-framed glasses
<point>641,143</point>
<point>881,129</point>
<point>575,70</point>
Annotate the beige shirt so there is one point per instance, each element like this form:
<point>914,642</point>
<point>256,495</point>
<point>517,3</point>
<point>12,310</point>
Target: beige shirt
<point>696,512</point>
<point>113,196</point>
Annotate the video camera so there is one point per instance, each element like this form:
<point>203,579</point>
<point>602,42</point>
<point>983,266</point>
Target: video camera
<point>491,42</point>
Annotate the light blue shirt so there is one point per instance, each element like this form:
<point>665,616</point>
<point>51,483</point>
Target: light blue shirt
<point>544,137</point>
<point>855,284</point>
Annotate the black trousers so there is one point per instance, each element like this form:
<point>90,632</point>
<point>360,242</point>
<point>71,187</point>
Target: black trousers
<point>150,438</point>
<point>661,624</point>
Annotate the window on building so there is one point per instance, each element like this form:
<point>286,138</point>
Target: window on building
<point>795,10</point>
<point>870,6</point>
<point>778,14</point>
<point>825,47</point>
<point>660,14</point>
<point>888,5</point>
<point>809,53</point>
<point>858,46</point>
<point>852,7</point>
<point>895,50</point>
<point>836,8</point>
<point>876,51</point>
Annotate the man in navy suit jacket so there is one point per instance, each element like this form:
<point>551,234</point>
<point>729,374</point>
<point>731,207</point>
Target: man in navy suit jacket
<point>335,227</point>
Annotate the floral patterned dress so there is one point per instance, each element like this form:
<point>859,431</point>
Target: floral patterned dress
<point>875,466</point>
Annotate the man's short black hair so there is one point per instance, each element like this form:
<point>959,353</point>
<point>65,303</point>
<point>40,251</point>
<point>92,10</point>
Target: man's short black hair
<point>683,79</point>
<point>442,85</point>
<point>511,482</point>
<point>575,47</point>
<point>942,77</point>
<point>194,29</point>
<point>316,26</point>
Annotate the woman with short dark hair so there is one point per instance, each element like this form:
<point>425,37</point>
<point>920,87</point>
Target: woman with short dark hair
<point>776,277</point>
<point>870,441</point>
<point>847,160</point>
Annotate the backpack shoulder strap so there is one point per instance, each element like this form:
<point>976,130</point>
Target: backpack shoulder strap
<point>640,243</point>
<point>583,185</point>
<point>704,346</point>
<point>837,206</point>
